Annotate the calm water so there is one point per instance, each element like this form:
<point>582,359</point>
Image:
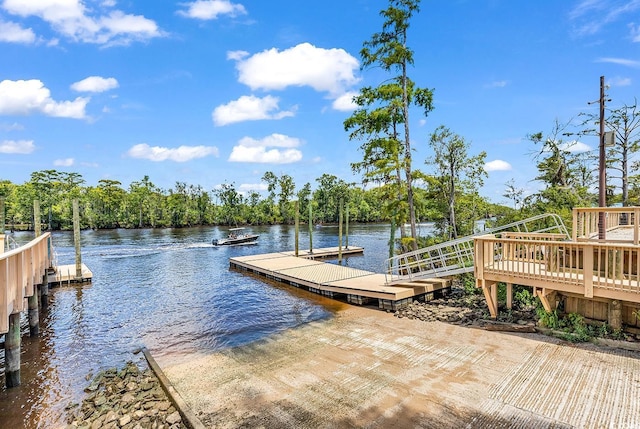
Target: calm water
<point>169,290</point>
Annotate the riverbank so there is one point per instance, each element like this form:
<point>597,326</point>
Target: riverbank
<point>369,368</point>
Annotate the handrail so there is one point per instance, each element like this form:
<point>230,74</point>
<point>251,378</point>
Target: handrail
<point>20,270</point>
<point>586,220</point>
<point>457,256</point>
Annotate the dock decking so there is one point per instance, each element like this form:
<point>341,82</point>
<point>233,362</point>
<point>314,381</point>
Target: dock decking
<point>358,286</point>
<point>66,274</point>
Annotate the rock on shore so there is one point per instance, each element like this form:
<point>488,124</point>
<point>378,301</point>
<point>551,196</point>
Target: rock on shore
<point>462,309</point>
<point>128,398</point>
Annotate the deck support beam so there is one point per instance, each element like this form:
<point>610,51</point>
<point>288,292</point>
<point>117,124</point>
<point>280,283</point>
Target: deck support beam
<point>510,296</point>
<point>12,352</point>
<point>490,291</point>
<point>547,297</point>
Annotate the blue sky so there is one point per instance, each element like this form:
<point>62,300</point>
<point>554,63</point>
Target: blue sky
<point>213,91</point>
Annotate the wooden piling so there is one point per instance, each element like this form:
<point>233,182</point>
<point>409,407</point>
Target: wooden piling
<point>34,314</point>
<point>37,227</point>
<point>297,227</point>
<point>12,352</point>
<point>615,315</point>
<point>44,292</point>
<point>340,232</point>
<point>346,233</point>
<point>76,238</point>
<point>310,227</point>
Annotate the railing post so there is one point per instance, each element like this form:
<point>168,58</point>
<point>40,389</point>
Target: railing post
<point>636,224</point>
<point>587,270</point>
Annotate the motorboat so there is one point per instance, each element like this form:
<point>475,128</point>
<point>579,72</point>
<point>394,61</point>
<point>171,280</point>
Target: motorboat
<point>236,236</point>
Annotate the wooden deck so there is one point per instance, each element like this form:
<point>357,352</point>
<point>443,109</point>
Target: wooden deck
<point>337,281</point>
<point>598,278</point>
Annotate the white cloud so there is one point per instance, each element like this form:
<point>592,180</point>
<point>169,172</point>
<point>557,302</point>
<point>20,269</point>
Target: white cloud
<point>497,84</point>
<point>325,70</point>
<point>245,187</point>
<point>237,55</point>
<point>211,9</point>
<point>620,61</point>
<point>593,15</point>
<point>635,32</point>
<point>345,102</point>
<point>96,24</point>
<point>619,81</point>
<point>23,97</point>
<point>252,150</point>
<point>95,84</point>
<point>575,147</point>
<point>497,165</point>
<point>11,127</point>
<point>249,108</point>
<point>66,162</point>
<point>180,154</point>
<point>22,147</point>
<point>14,33</point>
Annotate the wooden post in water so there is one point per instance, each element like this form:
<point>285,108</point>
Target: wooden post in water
<point>310,228</point>
<point>340,232</point>
<point>76,238</point>
<point>346,233</point>
<point>12,352</point>
<point>34,316</point>
<point>44,291</point>
<point>37,228</point>
<point>297,228</point>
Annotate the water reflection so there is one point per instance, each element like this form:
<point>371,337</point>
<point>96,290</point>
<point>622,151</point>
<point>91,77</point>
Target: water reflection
<point>168,290</point>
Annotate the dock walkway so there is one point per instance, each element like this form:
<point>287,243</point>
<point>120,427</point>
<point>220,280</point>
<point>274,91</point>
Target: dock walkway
<point>337,281</point>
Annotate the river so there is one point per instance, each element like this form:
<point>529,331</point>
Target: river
<point>168,290</point>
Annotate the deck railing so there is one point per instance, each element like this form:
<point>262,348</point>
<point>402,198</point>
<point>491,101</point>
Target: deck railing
<point>586,219</point>
<point>21,269</point>
<point>591,269</point>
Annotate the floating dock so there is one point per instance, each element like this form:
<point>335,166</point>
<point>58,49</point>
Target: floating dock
<point>336,281</point>
<point>66,274</point>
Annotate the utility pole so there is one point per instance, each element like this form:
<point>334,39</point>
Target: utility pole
<point>602,168</point>
<point>602,171</point>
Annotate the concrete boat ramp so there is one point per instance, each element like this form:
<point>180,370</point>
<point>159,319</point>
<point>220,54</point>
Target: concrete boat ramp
<point>337,281</point>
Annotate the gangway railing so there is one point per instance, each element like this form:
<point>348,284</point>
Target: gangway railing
<point>457,256</point>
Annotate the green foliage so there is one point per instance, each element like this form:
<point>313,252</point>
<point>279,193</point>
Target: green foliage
<point>468,282</point>
<point>547,319</point>
<point>523,298</point>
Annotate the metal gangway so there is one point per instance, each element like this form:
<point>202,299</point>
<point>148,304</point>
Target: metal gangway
<point>456,256</point>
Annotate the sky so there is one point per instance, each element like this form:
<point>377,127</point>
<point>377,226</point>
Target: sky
<point>209,92</point>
